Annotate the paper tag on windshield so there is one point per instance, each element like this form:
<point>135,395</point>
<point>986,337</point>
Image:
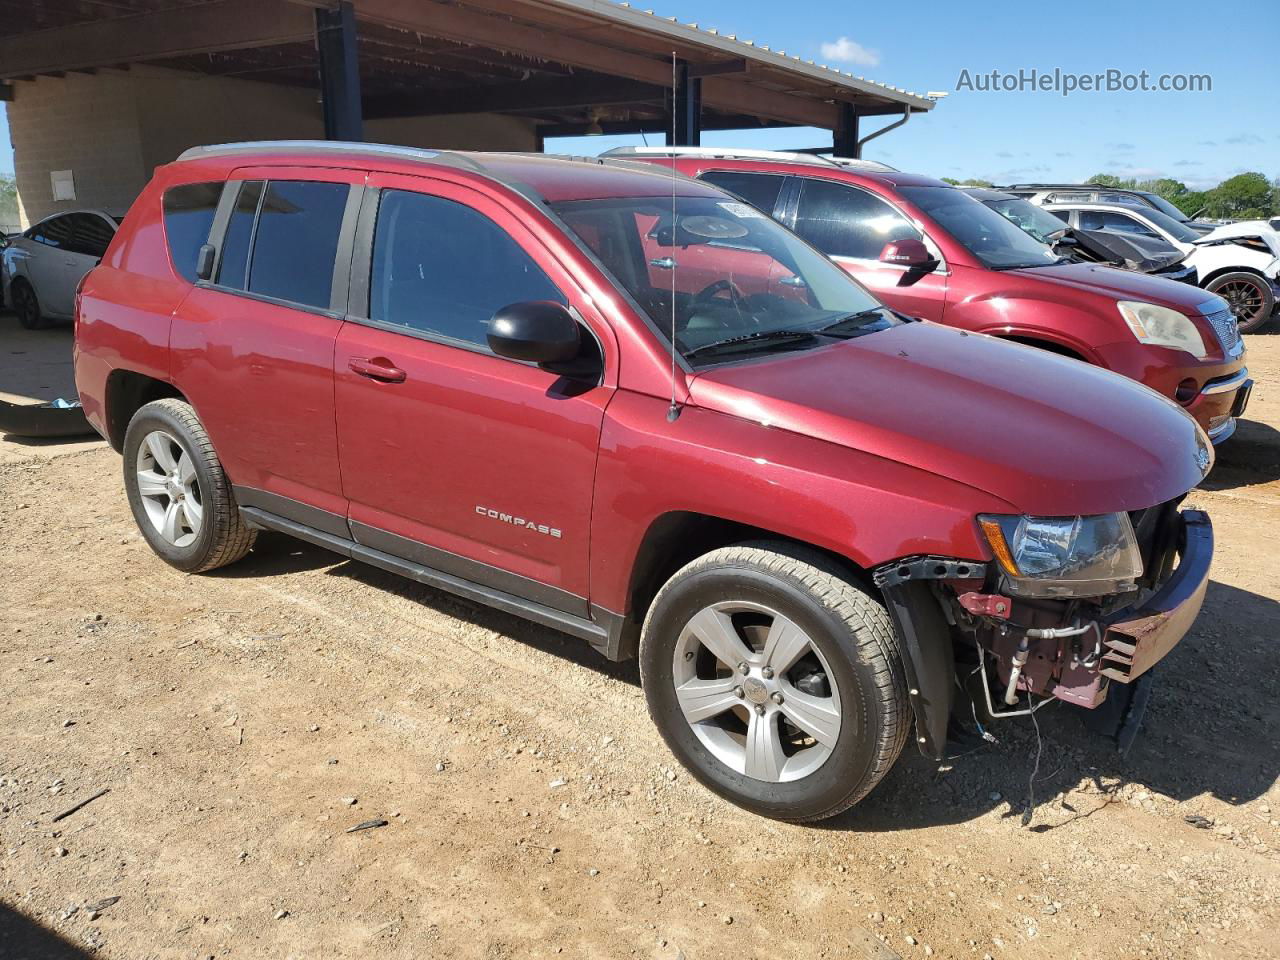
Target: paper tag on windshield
<point>741,210</point>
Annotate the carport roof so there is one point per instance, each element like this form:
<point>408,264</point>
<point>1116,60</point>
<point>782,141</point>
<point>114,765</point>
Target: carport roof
<point>560,62</point>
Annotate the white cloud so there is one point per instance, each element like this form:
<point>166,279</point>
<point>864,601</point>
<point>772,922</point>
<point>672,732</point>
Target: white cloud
<point>845,50</point>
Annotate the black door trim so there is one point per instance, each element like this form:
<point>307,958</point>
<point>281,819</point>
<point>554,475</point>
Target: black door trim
<point>607,636</point>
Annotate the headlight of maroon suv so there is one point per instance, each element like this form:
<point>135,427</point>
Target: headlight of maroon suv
<point>1065,556</point>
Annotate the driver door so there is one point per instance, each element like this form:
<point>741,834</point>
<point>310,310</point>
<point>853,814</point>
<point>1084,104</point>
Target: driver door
<point>852,226</point>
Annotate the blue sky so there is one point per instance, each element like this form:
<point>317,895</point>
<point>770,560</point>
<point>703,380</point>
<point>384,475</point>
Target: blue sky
<point>1199,138</point>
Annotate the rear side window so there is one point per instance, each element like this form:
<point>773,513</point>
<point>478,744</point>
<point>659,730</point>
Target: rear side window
<point>188,215</point>
<point>758,189</point>
<point>299,223</point>
<point>844,221</point>
<point>90,234</point>
<point>442,268</point>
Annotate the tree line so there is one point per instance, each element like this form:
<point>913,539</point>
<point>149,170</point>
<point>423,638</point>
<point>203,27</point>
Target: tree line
<point>1246,196</point>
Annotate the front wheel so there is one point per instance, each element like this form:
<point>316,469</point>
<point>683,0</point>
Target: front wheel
<point>1248,295</point>
<point>26,306</point>
<point>775,680</point>
<point>180,496</point>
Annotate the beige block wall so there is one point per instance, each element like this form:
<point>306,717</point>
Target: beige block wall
<point>114,127</point>
<point>85,124</point>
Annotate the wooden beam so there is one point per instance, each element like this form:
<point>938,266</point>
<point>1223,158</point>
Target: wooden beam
<point>697,70</point>
<point>558,93</point>
<point>468,26</point>
<point>176,32</point>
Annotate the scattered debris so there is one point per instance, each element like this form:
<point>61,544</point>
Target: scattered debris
<point>556,784</point>
<point>350,801</point>
<point>367,825</point>
<point>83,803</point>
<point>1197,821</point>
<point>281,914</point>
<point>68,722</point>
<point>60,851</point>
<point>99,905</point>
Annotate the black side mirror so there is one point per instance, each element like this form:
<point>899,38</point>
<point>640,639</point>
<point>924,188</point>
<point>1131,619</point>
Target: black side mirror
<point>536,331</point>
<point>204,262</point>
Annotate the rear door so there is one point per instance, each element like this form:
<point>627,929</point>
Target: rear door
<point>852,226</point>
<point>253,347</point>
<point>453,457</point>
<point>91,233</point>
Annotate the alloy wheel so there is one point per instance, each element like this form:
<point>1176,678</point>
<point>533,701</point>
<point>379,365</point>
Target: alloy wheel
<point>169,489</point>
<point>1244,297</point>
<point>756,691</point>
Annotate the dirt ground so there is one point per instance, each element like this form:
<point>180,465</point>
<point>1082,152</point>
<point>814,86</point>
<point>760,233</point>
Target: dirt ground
<point>244,721</point>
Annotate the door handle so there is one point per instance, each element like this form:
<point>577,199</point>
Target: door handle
<point>378,368</point>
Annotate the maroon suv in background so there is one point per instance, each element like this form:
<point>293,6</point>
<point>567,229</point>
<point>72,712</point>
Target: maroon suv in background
<point>929,250</point>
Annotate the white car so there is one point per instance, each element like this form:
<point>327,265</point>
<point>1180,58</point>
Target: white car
<point>1240,262</point>
<point>41,268</point>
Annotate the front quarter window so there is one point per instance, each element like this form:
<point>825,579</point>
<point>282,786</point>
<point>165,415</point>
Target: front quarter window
<point>724,272</point>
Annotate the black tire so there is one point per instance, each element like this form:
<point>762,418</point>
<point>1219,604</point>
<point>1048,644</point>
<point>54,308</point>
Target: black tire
<point>847,626</point>
<point>26,305</point>
<point>223,536</point>
<point>1249,295</point>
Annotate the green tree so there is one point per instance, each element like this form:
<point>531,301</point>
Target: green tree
<point>8,200</point>
<point>1246,196</point>
<point>1108,180</point>
<point>971,182</point>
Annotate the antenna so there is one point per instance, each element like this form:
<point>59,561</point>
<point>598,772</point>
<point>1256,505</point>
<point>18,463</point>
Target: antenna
<point>674,410</point>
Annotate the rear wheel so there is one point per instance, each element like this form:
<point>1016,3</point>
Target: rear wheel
<point>180,496</point>
<point>1248,295</point>
<point>26,305</point>
<point>775,680</point>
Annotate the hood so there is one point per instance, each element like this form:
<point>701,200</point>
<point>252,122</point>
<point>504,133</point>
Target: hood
<point>1246,230</point>
<point>1120,284</point>
<point>1048,435</point>
<point>1128,252</point>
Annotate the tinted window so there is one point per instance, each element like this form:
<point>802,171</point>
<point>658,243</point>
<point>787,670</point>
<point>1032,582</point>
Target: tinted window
<point>188,215</point>
<point>1102,220</point>
<point>297,240</point>
<point>844,221</point>
<point>234,265</point>
<point>55,232</point>
<point>758,189</point>
<point>90,234</point>
<point>445,269</point>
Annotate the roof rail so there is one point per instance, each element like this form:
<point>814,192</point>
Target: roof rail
<point>329,146</point>
<point>745,153</point>
<point>722,153</point>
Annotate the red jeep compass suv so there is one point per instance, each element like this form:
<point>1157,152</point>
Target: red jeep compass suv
<point>932,251</point>
<point>628,405</point>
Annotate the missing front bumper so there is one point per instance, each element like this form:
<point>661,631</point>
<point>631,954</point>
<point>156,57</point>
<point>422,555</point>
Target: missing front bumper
<point>1137,639</point>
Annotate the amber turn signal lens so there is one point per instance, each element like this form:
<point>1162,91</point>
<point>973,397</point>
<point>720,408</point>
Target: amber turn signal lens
<point>995,537</point>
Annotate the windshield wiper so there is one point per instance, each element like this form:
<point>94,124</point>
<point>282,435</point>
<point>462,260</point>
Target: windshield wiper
<point>856,319</point>
<point>751,339</point>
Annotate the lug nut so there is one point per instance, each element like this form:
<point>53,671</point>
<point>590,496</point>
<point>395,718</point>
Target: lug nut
<point>760,710</point>
<point>739,692</point>
<point>777,698</point>
<point>767,673</point>
<point>689,655</point>
<point>743,668</point>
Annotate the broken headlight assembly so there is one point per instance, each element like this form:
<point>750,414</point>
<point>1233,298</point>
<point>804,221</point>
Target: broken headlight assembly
<point>1159,326</point>
<point>1065,556</point>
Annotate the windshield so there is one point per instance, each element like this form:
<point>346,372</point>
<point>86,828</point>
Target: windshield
<point>1165,207</point>
<point>1037,221</point>
<point>979,229</point>
<point>738,281</point>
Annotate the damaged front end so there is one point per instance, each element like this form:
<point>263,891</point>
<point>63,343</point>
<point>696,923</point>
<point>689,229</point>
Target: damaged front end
<point>1071,609</point>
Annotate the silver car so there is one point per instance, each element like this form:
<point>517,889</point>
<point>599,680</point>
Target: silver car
<point>41,268</point>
